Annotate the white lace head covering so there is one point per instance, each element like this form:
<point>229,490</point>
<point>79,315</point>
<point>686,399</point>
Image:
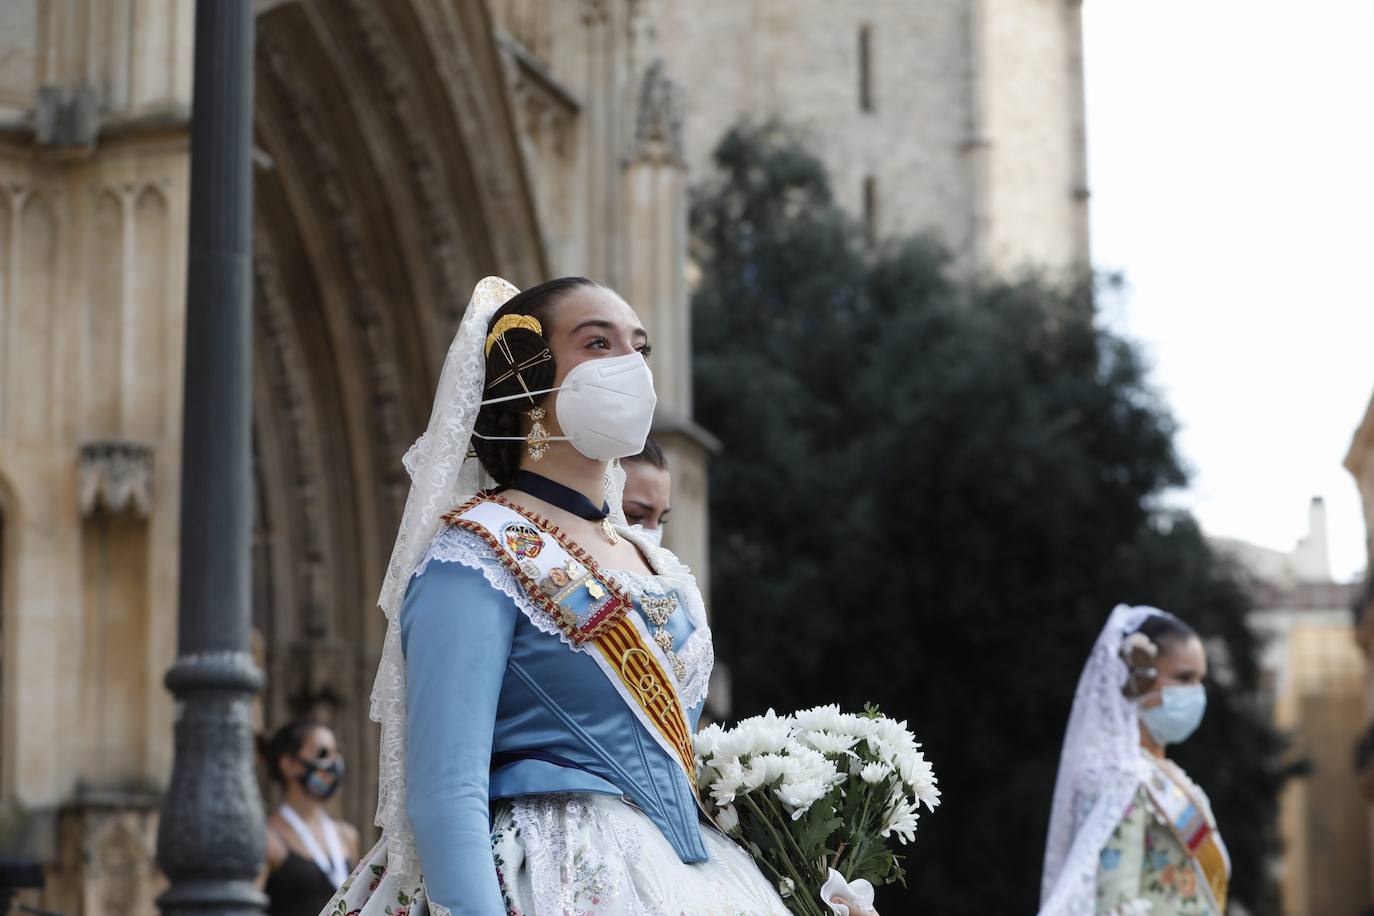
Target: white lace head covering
<point>442,476</point>
<point>1100,768</point>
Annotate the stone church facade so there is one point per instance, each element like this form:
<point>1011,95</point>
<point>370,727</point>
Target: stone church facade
<point>404,149</point>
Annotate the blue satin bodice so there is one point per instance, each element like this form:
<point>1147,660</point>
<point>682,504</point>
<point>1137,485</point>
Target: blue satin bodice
<point>497,708</point>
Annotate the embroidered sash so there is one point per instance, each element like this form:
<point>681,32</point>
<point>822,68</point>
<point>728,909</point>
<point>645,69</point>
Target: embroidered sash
<point>562,580</point>
<point>1189,822</point>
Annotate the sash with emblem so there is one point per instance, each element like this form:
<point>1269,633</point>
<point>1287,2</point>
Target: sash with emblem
<point>1190,824</point>
<point>594,615</point>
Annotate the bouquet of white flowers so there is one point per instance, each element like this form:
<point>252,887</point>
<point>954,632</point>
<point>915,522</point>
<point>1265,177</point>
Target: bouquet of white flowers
<point>816,790</point>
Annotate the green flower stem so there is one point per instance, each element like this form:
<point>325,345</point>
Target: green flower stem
<point>778,810</point>
<point>862,832</point>
<point>748,817</point>
<point>801,893</point>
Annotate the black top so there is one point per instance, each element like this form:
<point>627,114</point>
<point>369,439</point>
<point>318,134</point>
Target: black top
<point>297,887</point>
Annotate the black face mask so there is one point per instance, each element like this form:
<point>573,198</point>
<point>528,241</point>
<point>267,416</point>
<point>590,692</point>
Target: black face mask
<point>321,780</point>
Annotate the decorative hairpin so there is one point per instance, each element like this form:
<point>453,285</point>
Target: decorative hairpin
<point>1139,642</point>
<point>1140,654</point>
<point>510,322</point>
<point>497,339</point>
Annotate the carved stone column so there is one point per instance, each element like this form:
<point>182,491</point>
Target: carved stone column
<point>210,840</point>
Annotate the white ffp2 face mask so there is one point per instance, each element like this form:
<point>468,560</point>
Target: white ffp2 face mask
<point>605,407</point>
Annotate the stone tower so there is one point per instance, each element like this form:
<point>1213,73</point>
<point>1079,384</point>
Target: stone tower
<point>960,116</point>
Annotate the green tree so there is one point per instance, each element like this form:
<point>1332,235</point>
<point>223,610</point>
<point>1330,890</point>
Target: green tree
<point>932,492</point>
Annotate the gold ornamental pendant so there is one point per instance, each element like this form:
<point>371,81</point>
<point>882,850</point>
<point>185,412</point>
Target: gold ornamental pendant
<point>609,530</point>
<point>538,439</point>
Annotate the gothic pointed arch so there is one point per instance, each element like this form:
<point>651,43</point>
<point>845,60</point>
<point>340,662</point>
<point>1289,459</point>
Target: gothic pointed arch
<point>389,181</point>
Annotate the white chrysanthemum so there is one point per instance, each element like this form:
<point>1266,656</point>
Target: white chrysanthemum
<point>901,819</point>
<point>799,796</point>
<point>730,776</point>
<point>727,818</point>
<point>828,742</point>
<point>895,734</point>
<point>917,773</point>
<point>767,734</point>
<point>803,759</point>
<point>735,742</point>
<point>860,726</point>
<point>875,773</point>
<point>707,741</point>
<point>879,749</point>
<point>820,718</point>
<point>706,774</point>
<point>763,770</point>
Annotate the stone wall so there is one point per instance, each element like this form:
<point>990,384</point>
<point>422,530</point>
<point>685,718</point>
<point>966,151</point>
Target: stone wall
<point>92,242</point>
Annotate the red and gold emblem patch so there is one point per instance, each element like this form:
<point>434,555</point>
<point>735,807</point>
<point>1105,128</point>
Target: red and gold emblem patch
<point>523,541</point>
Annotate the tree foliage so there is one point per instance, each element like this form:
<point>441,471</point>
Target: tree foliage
<point>932,492</point>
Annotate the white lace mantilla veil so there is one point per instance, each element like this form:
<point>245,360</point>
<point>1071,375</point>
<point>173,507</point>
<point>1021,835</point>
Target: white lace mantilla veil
<point>1100,769</point>
<point>442,477</point>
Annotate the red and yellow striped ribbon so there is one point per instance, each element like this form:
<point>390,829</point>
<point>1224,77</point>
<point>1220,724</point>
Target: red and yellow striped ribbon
<point>623,647</point>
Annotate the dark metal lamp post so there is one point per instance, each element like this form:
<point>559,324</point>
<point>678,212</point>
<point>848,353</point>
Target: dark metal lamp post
<point>210,839</point>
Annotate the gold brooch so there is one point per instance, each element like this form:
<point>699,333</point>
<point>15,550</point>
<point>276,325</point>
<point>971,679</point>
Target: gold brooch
<point>659,608</point>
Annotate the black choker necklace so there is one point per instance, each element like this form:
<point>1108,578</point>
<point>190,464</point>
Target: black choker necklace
<point>565,498</point>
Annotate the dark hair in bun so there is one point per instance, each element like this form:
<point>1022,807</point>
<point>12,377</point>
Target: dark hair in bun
<point>285,741</point>
<point>1166,631</point>
<point>501,458</point>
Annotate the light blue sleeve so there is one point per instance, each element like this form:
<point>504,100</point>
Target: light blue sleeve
<point>456,633</point>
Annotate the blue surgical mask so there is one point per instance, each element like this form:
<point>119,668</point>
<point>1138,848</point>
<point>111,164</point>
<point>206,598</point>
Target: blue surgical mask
<point>1178,715</point>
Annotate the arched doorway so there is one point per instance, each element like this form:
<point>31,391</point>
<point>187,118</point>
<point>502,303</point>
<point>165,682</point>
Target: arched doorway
<point>389,182</point>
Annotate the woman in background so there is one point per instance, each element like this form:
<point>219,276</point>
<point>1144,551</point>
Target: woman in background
<point>309,853</point>
<point>648,490</point>
<point>1130,833</point>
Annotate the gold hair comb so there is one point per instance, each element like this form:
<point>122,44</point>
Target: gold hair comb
<point>509,322</point>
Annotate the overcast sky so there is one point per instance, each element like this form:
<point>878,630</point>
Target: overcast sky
<point>1231,159</point>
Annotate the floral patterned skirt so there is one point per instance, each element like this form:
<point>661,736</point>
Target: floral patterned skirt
<point>570,855</point>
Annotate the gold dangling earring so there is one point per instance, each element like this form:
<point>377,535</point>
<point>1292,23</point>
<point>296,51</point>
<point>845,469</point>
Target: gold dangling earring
<point>538,439</point>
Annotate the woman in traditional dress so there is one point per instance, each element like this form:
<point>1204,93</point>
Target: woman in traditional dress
<point>1130,833</point>
<point>544,664</point>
